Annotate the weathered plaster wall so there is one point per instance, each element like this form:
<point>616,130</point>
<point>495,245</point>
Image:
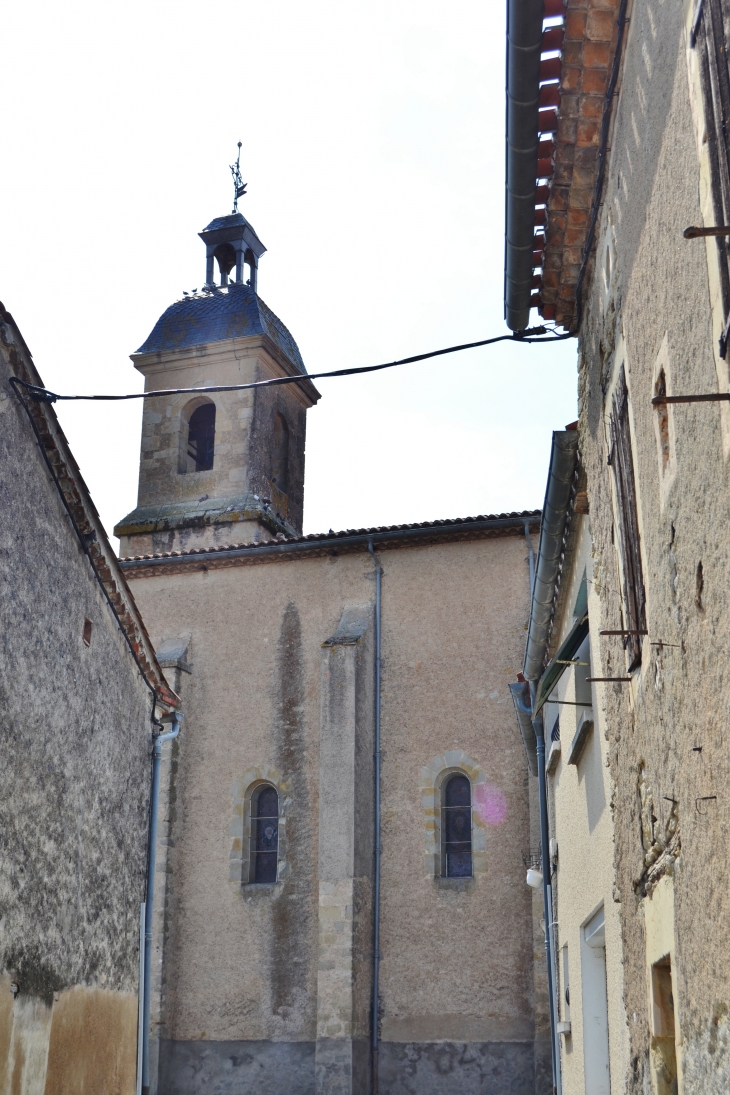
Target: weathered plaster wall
<point>669,722</point>
<point>241,981</point>
<point>75,730</point>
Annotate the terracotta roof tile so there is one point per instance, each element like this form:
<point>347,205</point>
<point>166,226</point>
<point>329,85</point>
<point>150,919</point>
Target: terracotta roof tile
<point>332,536</point>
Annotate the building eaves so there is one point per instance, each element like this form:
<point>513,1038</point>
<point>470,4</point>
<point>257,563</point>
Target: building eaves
<point>573,116</point>
<point>84,517</point>
<point>337,543</point>
<point>591,34</point>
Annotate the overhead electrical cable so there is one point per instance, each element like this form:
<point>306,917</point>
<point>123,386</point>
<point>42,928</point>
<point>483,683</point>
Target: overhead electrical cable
<point>539,335</point>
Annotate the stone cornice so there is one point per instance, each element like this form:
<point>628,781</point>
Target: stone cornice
<point>217,511</point>
<point>219,353</point>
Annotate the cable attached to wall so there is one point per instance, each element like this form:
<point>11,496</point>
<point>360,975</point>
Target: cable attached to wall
<point>532,335</point>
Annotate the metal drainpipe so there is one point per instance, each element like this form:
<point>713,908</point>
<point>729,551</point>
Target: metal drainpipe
<point>376,895</point>
<point>140,1007</point>
<point>547,897</point>
<point>149,909</point>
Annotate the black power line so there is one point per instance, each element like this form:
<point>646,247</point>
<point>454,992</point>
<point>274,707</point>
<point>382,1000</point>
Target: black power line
<point>532,335</point>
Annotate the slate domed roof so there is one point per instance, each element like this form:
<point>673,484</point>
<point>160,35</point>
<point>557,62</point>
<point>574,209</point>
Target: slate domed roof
<point>216,315</point>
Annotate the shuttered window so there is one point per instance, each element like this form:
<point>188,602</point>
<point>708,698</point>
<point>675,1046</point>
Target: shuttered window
<point>710,35</point>
<point>622,464</point>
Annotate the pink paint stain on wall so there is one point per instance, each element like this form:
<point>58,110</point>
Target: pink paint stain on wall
<point>490,804</point>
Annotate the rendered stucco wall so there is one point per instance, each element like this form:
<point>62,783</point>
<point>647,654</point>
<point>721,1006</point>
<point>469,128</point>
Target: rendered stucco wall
<point>240,991</point>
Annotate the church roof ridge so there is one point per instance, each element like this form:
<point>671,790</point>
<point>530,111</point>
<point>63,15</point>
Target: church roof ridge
<point>514,519</point>
<point>217,314</point>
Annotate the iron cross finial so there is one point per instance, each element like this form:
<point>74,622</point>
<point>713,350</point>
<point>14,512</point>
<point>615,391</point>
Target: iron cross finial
<point>239,186</point>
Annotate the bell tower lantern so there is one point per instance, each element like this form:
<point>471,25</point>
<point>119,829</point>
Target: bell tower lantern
<point>230,244</point>
<point>220,468</point>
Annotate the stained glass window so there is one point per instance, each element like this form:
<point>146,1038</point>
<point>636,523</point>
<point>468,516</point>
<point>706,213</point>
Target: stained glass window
<point>456,828</point>
<point>264,834</point>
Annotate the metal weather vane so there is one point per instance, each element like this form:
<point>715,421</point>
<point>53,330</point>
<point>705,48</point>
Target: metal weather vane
<point>239,186</point>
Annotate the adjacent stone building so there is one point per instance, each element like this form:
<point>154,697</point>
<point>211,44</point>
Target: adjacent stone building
<point>81,694</point>
<point>630,192</point>
<point>278,914</point>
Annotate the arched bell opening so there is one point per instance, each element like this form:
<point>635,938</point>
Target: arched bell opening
<point>251,261</point>
<point>197,436</point>
<point>225,256</point>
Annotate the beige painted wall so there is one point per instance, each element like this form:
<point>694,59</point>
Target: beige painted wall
<point>241,962</point>
<point>582,825</point>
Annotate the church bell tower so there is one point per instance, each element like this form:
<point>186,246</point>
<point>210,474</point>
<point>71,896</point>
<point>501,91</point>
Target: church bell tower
<point>220,468</point>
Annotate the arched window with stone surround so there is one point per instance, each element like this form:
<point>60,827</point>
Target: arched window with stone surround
<point>456,842</point>
<point>200,446</point>
<point>280,455</point>
<point>264,834</point>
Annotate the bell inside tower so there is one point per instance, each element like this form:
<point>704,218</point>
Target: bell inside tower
<point>225,256</point>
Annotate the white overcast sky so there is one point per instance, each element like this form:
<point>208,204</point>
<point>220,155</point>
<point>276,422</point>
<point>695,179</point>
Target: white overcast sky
<point>373,146</point>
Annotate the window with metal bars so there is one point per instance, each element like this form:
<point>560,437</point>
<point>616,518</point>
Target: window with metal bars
<point>710,36</point>
<point>456,859</point>
<point>201,437</point>
<point>264,834</point>
<point>622,463</point>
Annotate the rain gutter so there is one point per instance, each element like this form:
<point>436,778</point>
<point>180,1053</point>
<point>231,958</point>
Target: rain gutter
<point>177,718</point>
<point>335,543</point>
<point>523,709</point>
<point>563,461</point>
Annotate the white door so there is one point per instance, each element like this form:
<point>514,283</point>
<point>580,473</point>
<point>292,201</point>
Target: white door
<point>595,1006</point>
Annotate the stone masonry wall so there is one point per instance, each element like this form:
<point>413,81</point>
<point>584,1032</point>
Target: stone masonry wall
<point>75,731</point>
<point>668,748</point>
<point>179,509</point>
